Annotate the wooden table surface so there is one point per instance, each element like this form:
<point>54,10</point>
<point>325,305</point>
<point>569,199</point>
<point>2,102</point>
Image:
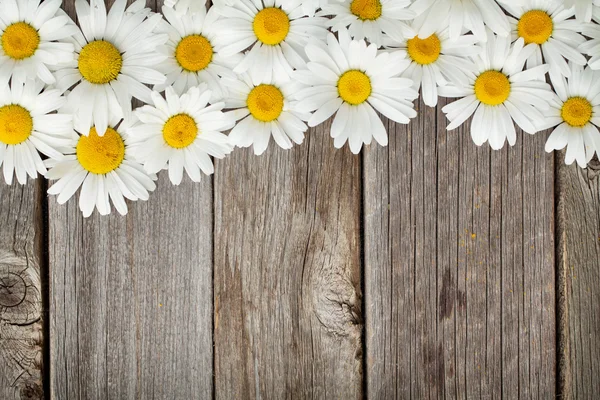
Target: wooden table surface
<point>430,268</point>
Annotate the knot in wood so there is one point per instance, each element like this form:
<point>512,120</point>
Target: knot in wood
<point>13,290</point>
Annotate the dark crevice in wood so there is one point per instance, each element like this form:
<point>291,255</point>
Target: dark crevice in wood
<point>44,262</point>
<point>559,283</point>
<point>363,285</point>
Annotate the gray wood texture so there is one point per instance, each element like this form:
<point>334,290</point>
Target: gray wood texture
<point>579,280</point>
<point>459,266</point>
<point>21,315</point>
<point>288,317</point>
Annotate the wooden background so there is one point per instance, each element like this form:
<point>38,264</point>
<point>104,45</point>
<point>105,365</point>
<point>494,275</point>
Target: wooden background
<point>430,268</point>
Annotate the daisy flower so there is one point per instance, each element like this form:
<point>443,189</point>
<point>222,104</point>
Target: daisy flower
<point>114,58</point>
<point>548,26</point>
<point>437,61</point>
<point>575,112</point>
<point>181,132</point>
<point>190,54</point>
<point>370,19</point>
<point>32,38</point>
<point>183,6</point>
<point>591,47</point>
<point>29,126</point>
<point>500,93</point>
<point>275,31</point>
<point>310,7</point>
<point>103,167</point>
<point>353,80</point>
<point>583,8</point>
<point>265,110</point>
<point>462,15</point>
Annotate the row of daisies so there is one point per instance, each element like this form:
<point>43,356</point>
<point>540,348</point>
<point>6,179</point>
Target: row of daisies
<point>248,71</point>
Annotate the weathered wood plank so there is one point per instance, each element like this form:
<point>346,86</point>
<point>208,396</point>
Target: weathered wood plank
<point>131,297</point>
<point>579,279</point>
<point>21,316</point>
<point>288,317</point>
<point>459,265</point>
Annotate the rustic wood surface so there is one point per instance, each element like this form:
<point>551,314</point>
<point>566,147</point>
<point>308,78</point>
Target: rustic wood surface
<point>579,283</point>
<point>425,269</point>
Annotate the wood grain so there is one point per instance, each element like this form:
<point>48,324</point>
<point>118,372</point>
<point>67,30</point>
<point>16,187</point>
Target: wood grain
<point>21,316</point>
<point>459,266</point>
<point>579,279</point>
<point>131,297</point>
<point>288,317</point>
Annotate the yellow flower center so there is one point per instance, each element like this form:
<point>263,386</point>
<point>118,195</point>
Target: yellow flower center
<point>535,26</point>
<point>576,112</point>
<point>101,154</point>
<point>354,87</point>
<point>194,53</point>
<point>100,62</point>
<point>20,40</point>
<point>180,131</point>
<point>265,103</point>
<point>271,25</point>
<point>366,9</point>
<point>424,51</point>
<point>492,88</point>
<point>16,124</point>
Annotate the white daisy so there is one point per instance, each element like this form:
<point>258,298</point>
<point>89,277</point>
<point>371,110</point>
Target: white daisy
<point>115,57</point>
<point>591,47</point>
<point>183,6</point>
<point>181,133</point>
<point>310,7</point>
<point>191,56</point>
<point>462,15</point>
<point>575,111</point>
<point>104,168</point>
<point>275,30</point>
<point>371,19</point>
<point>437,61</point>
<point>265,110</point>
<point>499,93</point>
<point>29,126</point>
<point>548,26</point>
<point>32,38</point>
<point>352,80</point>
<point>583,8</point>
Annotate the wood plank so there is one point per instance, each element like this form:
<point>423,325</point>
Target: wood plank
<point>21,316</point>
<point>288,314</point>
<point>459,265</point>
<point>131,297</point>
<point>579,279</point>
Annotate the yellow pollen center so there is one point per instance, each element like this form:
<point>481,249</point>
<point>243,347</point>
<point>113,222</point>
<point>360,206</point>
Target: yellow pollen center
<point>354,87</point>
<point>271,25</point>
<point>180,131</point>
<point>16,124</point>
<point>100,62</point>
<point>424,51</point>
<point>194,53</point>
<point>265,103</point>
<point>366,9</point>
<point>20,40</point>
<point>492,88</point>
<point>101,154</point>
<point>576,112</point>
<point>535,26</point>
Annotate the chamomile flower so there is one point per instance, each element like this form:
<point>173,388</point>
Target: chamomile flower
<point>181,133</point>
<point>32,38</point>
<point>371,19</point>
<point>548,26</point>
<point>104,169</point>
<point>473,15</point>
<point>183,6</point>
<point>264,110</point>
<point>353,81</point>
<point>500,93</point>
<point>575,112</point>
<point>190,54</point>
<point>437,61</point>
<point>309,7</point>
<point>29,126</point>
<point>583,8</point>
<point>591,47</point>
<point>115,57</point>
<point>275,31</point>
